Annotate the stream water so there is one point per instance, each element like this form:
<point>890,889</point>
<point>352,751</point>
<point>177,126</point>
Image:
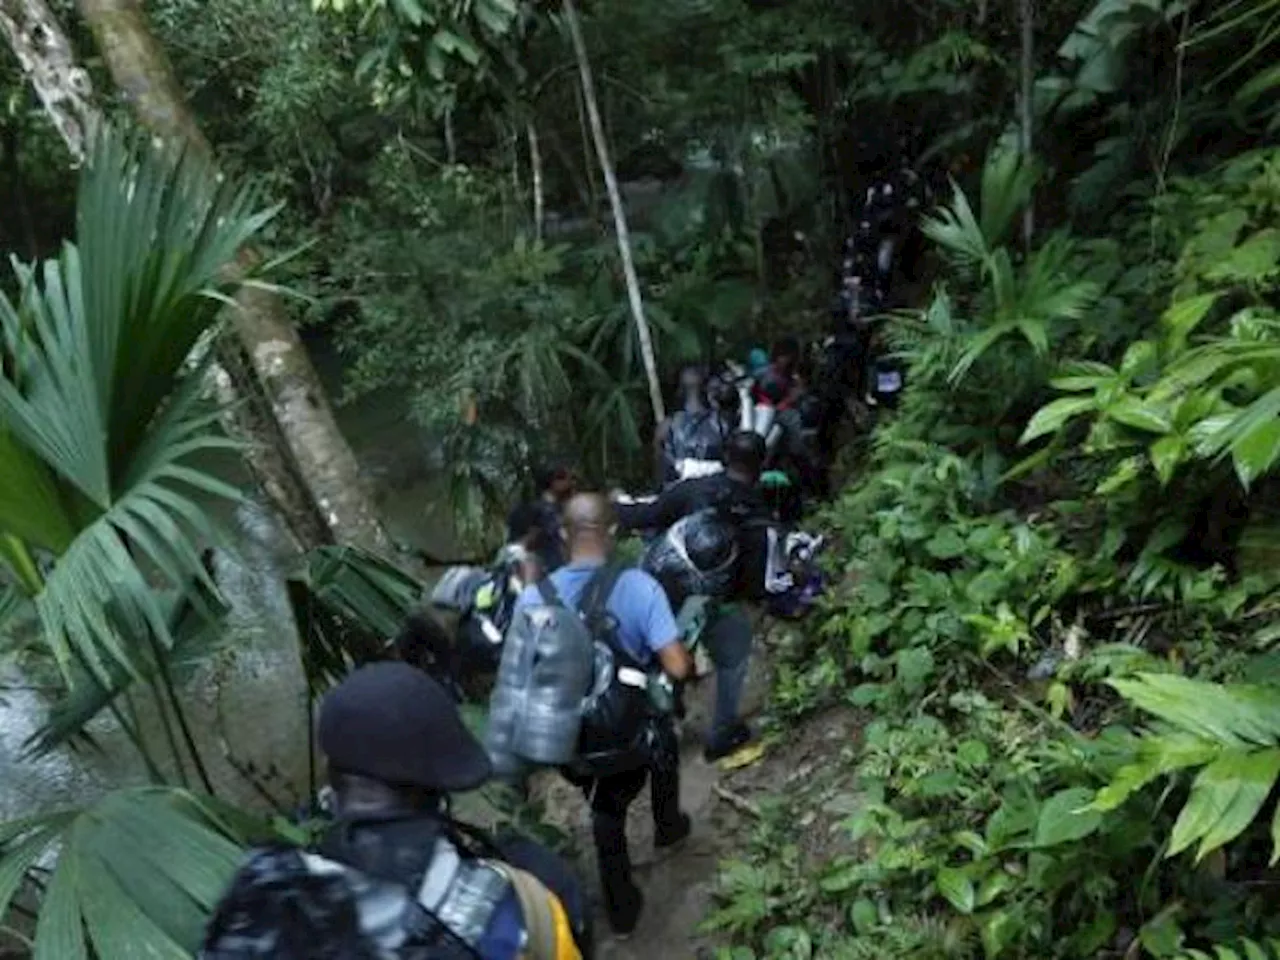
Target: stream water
<point>246,701</point>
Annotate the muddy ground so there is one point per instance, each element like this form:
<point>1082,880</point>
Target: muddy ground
<point>679,884</point>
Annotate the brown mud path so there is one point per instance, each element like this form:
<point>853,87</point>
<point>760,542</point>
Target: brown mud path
<point>679,884</point>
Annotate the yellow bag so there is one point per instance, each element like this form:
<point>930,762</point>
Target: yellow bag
<point>545,920</point>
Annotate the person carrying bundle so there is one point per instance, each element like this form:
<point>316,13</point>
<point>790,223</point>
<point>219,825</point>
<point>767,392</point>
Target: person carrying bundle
<point>574,692</point>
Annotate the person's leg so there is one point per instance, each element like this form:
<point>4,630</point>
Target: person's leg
<point>670,825</point>
<point>728,640</point>
<point>610,797</point>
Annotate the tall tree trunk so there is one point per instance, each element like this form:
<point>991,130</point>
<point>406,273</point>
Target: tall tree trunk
<point>46,57</point>
<point>1026,10</point>
<point>535,168</point>
<point>619,214</point>
<point>65,88</point>
<point>144,75</point>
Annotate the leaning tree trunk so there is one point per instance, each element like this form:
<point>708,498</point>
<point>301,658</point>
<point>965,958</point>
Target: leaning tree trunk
<point>144,75</point>
<point>47,59</point>
<point>619,214</point>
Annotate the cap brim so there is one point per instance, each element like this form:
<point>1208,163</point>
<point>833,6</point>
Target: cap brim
<point>465,767</point>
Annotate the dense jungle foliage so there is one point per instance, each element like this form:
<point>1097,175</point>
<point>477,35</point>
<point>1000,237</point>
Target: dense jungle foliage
<point>1053,610</point>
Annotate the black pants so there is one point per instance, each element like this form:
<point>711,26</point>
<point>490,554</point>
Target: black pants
<point>610,798</point>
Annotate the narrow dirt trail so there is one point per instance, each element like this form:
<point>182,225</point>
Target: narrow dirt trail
<point>677,883</point>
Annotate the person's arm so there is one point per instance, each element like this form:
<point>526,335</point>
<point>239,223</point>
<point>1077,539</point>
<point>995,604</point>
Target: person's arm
<point>661,634</point>
<point>659,514</point>
<point>660,436</point>
<point>676,661</point>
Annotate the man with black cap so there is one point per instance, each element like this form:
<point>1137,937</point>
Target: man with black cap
<point>423,885</point>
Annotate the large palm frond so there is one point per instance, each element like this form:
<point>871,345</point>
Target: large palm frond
<point>349,605</point>
<point>136,874</point>
<point>100,413</point>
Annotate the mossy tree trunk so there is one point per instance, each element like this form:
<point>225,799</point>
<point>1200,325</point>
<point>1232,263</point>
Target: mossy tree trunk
<point>324,459</point>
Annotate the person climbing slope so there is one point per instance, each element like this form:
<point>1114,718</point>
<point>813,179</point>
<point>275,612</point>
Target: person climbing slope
<point>689,441</point>
<point>536,523</point>
<point>734,498</point>
<point>644,626</point>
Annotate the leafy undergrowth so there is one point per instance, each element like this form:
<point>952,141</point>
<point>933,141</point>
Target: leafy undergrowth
<point>1064,662</point>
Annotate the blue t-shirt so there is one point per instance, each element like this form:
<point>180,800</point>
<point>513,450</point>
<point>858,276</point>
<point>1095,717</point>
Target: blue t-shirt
<point>645,621</point>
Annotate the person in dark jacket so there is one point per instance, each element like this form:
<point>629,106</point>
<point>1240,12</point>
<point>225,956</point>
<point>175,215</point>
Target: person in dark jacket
<point>536,524</point>
<point>734,494</point>
<point>397,748</point>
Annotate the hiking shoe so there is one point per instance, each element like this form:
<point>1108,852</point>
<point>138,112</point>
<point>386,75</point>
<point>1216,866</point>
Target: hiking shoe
<point>665,837</point>
<point>624,913</point>
<point>732,740</point>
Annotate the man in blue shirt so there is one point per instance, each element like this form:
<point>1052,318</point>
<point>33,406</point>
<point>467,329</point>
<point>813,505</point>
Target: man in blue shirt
<point>647,629</point>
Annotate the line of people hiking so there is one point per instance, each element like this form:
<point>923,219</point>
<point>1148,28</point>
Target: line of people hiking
<point>583,660</point>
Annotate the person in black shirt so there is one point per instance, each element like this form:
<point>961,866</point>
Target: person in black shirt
<point>734,495</point>
<point>536,523</point>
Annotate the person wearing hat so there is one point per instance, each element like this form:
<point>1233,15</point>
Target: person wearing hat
<point>397,748</point>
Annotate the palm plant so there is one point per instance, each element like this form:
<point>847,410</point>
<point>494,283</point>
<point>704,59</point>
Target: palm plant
<point>100,408</point>
<point>1031,301</point>
<point>101,421</point>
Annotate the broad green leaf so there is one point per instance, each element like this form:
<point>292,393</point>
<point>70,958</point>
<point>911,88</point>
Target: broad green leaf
<point>946,544</point>
<point>1126,471</point>
<point>1139,358</point>
<point>1082,375</point>
<point>915,666</point>
<point>1166,453</point>
<point>1225,797</point>
<point>1133,412</point>
<point>994,885</point>
<point>864,915</point>
<point>1184,316</point>
<point>1233,715</point>
<point>1159,755</point>
<point>410,10</point>
<point>1162,935</point>
<point>60,930</point>
<point>1067,816</point>
<point>998,930</point>
<point>956,888</point>
<point>1050,418</point>
<point>1257,451</point>
<point>1251,261</point>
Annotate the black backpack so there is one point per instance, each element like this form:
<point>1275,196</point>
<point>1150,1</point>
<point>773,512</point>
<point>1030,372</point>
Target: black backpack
<point>619,721</point>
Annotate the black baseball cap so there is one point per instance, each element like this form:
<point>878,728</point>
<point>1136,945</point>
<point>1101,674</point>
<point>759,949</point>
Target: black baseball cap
<point>392,722</point>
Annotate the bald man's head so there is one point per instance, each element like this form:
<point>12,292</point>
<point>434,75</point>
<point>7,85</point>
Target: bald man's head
<point>588,525</point>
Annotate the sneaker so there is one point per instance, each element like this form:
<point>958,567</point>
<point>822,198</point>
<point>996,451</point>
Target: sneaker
<point>734,739</point>
<point>665,837</point>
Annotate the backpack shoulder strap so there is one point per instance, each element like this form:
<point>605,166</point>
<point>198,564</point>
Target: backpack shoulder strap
<point>545,920</point>
<point>596,594</point>
<point>547,590</point>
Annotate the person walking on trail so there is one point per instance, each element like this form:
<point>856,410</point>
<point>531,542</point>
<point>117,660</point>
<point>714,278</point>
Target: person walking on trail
<point>646,629</point>
<point>395,875</point>
<point>690,440</point>
<point>735,497</point>
<point>536,524</point>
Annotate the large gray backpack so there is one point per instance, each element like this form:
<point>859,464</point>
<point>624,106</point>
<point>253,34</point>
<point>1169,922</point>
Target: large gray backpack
<point>535,711</point>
